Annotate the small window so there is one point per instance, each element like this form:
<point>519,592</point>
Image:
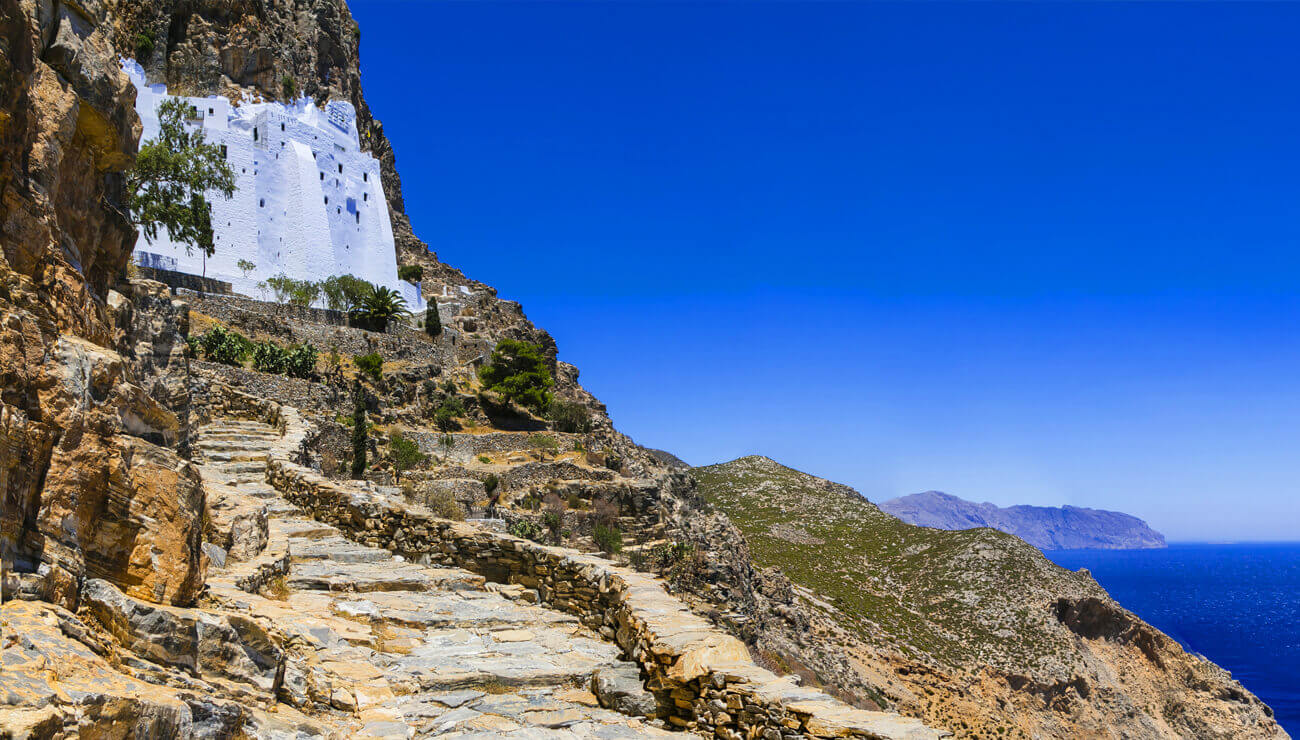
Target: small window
<point>211,112</point>
<point>322,176</point>
<point>327,200</point>
<point>340,169</point>
<point>281,128</point>
<point>223,152</point>
<point>254,133</point>
<point>358,216</point>
<point>365,196</point>
<point>365,177</point>
<point>338,209</point>
<point>261,202</point>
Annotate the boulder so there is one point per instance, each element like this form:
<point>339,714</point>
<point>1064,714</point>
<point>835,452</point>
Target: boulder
<point>619,688</point>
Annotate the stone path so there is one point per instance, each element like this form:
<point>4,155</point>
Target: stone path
<point>383,648</point>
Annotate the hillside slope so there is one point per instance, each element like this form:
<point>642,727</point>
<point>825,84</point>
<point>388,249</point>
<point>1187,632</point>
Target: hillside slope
<point>1044,527</point>
<point>974,631</point>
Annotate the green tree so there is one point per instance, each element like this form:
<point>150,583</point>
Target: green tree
<point>380,306</point>
<point>371,364</point>
<point>359,432</point>
<point>411,273</point>
<point>519,372</point>
<point>405,453</point>
<point>172,176</point>
<point>432,321</point>
<point>345,292</point>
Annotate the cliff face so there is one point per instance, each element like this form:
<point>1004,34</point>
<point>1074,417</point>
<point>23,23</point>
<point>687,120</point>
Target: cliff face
<point>89,487</point>
<point>973,631</point>
<point>1044,527</point>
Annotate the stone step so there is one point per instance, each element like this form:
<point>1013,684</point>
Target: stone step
<point>336,549</point>
<point>298,528</point>
<point>326,575</point>
<point>232,456</point>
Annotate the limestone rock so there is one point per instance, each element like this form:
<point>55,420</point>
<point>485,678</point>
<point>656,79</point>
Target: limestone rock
<point>619,688</point>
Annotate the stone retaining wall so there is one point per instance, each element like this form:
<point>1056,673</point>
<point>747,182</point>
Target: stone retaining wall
<point>704,679</point>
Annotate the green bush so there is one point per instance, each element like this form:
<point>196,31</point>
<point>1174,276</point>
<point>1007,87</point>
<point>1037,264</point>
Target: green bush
<point>226,346</point>
<point>405,453</point>
<point>289,86</point>
<point>490,483</point>
<point>300,362</point>
<point>143,46</point>
<point>269,358</point>
<point>570,416</point>
<point>371,364</point>
<point>485,459</point>
<point>526,528</point>
<point>519,373</point>
<point>609,539</point>
<point>411,273</point>
<point>544,442</point>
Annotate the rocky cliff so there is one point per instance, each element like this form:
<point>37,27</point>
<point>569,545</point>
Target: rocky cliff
<point>1044,527</point>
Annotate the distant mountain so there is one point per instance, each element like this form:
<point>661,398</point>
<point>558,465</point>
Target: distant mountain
<point>1044,527</point>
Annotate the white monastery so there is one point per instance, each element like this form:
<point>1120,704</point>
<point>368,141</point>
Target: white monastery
<point>309,203</point>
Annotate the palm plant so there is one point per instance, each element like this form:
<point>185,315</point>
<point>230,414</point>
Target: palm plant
<point>380,306</point>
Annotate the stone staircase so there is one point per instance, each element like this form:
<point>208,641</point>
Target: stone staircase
<point>384,648</point>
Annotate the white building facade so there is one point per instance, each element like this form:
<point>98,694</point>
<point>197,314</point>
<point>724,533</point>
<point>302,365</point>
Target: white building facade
<point>308,202</point>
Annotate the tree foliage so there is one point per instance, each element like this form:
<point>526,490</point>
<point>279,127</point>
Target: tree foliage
<point>519,373</point>
<point>371,364</point>
<point>345,292</point>
<point>405,454</point>
<point>294,291</point>
<point>172,176</point>
<point>432,321</point>
<point>380,306</point>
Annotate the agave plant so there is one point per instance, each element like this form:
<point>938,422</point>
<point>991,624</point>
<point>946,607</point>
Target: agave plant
<point>380,306</point>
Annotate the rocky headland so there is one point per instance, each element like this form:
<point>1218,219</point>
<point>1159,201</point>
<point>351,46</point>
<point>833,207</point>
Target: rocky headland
<point>1044,527</point>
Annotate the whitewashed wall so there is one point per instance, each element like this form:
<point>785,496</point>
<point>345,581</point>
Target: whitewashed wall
<point>309,203</point>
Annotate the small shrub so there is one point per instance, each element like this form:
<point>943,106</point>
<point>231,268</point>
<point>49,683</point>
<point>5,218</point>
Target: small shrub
<point>570,416</point>
<point>294,291</point>
<point>226,346</point>
<point>609,539</point>
<point>300,362</point>
<point>554,514</point>
<point>405,454</point>
<point>485,459</point>
<point>577,446</point>
<point>371,364</point>
<point>490,483</point>
<point>289,86</point>
<point>606,511</point>
<point>442,503</point>
<point>527,529</point>
<point>544,442</point>
<point>445,416</point>
<point>144,45</point>
<point>576,502</point>
<point>411,273</point>
<point>269,358</point>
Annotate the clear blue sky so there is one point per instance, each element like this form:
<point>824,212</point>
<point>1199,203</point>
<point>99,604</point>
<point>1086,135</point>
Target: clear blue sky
<point>1024,253</point>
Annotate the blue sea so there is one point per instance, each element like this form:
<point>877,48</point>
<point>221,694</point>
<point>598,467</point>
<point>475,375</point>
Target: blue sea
<point>1238,605</point>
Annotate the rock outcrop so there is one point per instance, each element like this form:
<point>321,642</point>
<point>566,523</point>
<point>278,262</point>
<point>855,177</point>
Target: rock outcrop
<point>1044,527</point>
<point>973,631</point>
